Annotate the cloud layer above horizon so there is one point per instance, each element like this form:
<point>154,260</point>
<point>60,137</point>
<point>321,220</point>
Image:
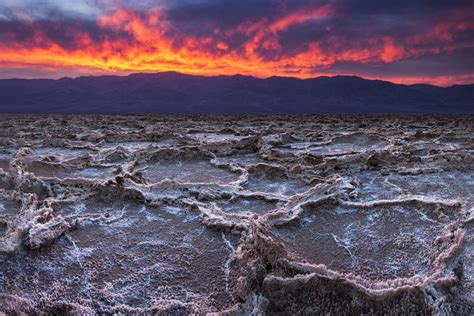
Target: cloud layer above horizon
<point>403,41</point>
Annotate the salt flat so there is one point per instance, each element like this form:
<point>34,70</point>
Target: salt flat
<point>237,214</point>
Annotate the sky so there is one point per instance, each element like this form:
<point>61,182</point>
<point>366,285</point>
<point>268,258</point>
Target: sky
<point>404,41</point>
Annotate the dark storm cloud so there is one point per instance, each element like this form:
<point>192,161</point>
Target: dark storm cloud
<point>403,38</point>
<point>399,8</point>
<point>459,63</point>
<point>61,31</point>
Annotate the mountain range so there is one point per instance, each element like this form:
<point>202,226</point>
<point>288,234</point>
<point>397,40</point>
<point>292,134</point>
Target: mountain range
<point>171,92</point>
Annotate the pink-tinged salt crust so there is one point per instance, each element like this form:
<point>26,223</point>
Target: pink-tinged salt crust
<point>235,215</point>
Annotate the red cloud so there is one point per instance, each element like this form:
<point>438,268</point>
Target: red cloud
<point>153,43</point>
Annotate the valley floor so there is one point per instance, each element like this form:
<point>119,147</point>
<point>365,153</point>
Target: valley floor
<point>237,214</point>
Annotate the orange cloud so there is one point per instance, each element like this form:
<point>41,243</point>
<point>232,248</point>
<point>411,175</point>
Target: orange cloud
<point>390,51</point>
<point>153,44</point>
<point>301,16</point>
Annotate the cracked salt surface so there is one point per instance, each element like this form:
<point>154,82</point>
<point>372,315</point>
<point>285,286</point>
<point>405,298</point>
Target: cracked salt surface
<point>56,170</point>
<point>263,215</point>
<point>61,153</point>
<point>125,246</point>
<point>440,185</point>
<point>344,144</point>
<point>192,171</point>
<point>247,205</point>
<point>9,207</point>
<point>240,159</point>
<point>7,153</point>
<point>378,243</point>
<point>215,137</point>
<point>139,145</point>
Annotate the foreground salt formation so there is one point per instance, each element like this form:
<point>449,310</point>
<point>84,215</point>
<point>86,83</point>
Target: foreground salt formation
<point>237,215</point>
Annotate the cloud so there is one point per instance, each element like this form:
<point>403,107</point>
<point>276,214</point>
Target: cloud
<point>261,38</point>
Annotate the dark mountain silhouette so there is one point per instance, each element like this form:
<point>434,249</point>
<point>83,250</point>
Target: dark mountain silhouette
<point>171,92</point>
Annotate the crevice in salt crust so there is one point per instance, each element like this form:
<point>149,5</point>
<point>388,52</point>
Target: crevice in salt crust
<point>210,220</point>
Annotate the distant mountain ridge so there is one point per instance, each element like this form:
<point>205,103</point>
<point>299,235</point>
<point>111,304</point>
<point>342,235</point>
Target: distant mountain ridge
<point>171,92</point>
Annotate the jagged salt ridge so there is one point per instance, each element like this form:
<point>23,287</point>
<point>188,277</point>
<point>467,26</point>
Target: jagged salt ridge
<point>236,215</point>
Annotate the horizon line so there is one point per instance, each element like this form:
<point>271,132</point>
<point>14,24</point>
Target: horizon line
<point>231,75</point>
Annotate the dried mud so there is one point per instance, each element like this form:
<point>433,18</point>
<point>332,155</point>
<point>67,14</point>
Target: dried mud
<point>237,215</point>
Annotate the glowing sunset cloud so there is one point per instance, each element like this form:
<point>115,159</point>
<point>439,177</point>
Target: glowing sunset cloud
<point>415,42</point>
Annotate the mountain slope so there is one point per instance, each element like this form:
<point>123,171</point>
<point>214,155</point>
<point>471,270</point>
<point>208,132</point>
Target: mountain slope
<point>171,92</point>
